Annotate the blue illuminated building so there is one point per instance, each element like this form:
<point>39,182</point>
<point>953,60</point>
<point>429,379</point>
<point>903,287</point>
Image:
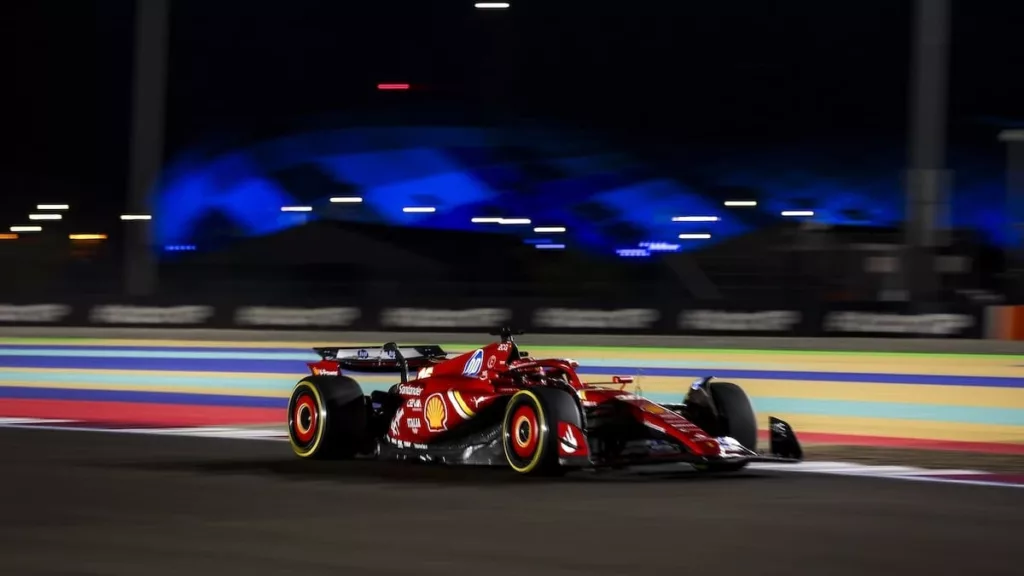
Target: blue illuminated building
<point>608,201</point>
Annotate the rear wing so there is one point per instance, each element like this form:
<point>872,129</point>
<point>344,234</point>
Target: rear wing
<point>388,358</point>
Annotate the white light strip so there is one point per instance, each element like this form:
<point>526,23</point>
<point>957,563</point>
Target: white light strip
<point>550,246</point>
<point>549,229</point>
<point>694,236</point>
<point>741,203</point>
<point>798,213</point>
<point>26,228</point>
<point>346,200</point>
<point>514,221</point>
<point>136,217</point>
<point>695,218</point>
<point>296,208</point>
<point>45,217</point>
<point>52,207</point>
<point>491,5</point>
<point>419,209</point>
<point>486,220</point>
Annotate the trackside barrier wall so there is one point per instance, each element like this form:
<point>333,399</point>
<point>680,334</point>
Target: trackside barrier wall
<point>637,317</point>
<point>1004,322</point>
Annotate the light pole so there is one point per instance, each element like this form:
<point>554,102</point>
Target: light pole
<point>147,142</point>
<point>928,180</point>
<point>1014,140</point>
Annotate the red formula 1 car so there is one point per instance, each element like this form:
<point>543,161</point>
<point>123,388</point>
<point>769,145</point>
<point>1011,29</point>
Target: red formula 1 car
<point>498,406</point>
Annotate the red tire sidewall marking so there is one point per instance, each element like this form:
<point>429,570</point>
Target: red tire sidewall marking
<point>305,403</point>
<point>524,450</point>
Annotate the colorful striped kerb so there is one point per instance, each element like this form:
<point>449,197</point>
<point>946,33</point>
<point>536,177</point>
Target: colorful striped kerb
<point>971,402</point>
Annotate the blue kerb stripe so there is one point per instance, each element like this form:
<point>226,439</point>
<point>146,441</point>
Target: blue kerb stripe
<point>868,377</point>
<point>991,416</point>
<point>764,406</point>
<point>165,353</point>
<point>261,366</point>
<point>300,356</point>
<point>296,369</point>
<point>142,397</point>
<point>121,379</point>
<point>71,350</point>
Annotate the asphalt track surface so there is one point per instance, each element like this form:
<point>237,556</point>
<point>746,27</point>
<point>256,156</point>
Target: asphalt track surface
<point>90,503</point>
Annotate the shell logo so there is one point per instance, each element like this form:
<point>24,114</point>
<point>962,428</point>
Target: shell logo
<point>436,412</point>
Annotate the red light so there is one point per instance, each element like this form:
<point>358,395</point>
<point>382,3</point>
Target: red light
<point>392,86</point>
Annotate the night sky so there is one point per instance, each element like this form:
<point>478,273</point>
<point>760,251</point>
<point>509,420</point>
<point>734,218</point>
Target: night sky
<point>656,76</point>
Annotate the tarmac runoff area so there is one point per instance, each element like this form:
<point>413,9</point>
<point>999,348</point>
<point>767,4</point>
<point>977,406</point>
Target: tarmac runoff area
<point>129,504</point>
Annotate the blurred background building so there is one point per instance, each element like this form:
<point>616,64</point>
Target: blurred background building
<point>688,151</point>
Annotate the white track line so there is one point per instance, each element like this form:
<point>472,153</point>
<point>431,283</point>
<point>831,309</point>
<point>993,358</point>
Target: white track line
<point>851,468</point>
<point>887,472</point>
<point>204,432</point>
<point>10,421</point>
<point>958,481</point>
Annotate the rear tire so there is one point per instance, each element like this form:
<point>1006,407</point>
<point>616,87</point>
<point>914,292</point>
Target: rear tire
<point>529,435</point>
<point>736,419</point>
<point>327,418</point>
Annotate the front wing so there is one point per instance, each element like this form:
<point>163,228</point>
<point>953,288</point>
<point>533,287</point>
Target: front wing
<point>784,448</point>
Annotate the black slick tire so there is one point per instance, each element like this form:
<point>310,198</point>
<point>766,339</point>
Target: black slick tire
<point>529,435</point>
<point>736,419</point>
<point>327,418</point>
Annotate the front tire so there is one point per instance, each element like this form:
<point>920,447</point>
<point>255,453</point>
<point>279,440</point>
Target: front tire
<point>736,419</point>
<point>327,418</point>
<point>735,413</point>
